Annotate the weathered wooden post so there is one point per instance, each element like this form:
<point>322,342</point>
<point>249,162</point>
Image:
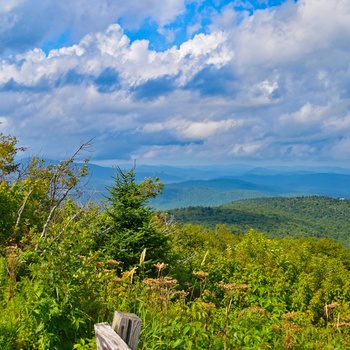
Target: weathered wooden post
<point>128,326</point>
<point>107,338</point>
<point>123,335</point>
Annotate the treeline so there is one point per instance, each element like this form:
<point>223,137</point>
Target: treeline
<point>65,266</point>
<point>315,216</point>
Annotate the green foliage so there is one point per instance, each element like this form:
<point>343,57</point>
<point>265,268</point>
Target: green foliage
<point>128,221</point>
<point>214,290</point>
<point>8,151</point>
<point>30,201</point>
<point>27,203</point>
<point>317,217</point>
<point>61,292</point>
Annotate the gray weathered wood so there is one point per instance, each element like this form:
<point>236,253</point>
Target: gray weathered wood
<point>107,338</point>
<point>128,326</point>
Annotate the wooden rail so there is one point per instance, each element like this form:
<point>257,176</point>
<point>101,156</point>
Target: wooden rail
<point>123,335</point>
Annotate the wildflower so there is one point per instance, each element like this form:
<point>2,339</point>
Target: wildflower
<point>113,262</point>
<point>201,275</point>
<point>160,266</point>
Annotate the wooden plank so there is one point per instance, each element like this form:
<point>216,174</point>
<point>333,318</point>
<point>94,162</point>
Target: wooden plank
<point>128,326</point>
<point>107,338</point>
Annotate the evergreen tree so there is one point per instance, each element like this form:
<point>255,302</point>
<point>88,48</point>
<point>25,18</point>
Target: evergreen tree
<point>129,220</point>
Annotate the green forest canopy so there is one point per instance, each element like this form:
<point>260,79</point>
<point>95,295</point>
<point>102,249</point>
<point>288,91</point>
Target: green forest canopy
<point>316,216</point>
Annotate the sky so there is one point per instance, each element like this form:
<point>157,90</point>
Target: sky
<point>178,82</point>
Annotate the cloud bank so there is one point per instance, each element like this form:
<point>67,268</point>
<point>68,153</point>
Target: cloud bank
<point>269,85</point>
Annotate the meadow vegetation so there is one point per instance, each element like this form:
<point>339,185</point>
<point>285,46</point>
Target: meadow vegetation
<point>65,266</point>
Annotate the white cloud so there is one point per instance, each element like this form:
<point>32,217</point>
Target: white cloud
<point>340,151</point>
<point>225,20</point>
<point>273,86</point>
<point>307,114</point>
<point>7,5</point>
<point>3,121</point>
<point>113,49</point>
<point>191,29</point>
<point>247,150</point>
<point>48,20</point>
<point>187,129</point>
<point>339,124</point>
<point>286,34</point>
<point>205,129</point>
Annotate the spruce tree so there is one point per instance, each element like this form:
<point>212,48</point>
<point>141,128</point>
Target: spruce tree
<point>129,220</point>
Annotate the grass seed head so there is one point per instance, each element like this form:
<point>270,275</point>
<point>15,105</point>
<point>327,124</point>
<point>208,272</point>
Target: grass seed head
<point>201,275</point>
<point>113,262</point>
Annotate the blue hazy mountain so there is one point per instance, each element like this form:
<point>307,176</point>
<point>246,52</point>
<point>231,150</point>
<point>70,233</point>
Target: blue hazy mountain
<point>215,185</point>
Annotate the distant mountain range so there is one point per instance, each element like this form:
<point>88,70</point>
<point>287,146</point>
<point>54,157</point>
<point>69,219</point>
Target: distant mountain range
<point>210,186</point>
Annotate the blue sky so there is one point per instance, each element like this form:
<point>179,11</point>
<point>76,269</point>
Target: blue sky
<point>179,81</point>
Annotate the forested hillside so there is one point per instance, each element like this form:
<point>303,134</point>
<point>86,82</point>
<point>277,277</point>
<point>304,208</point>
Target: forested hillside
<point>65,266</point>
<point>247,186</point>
<point>314,216</point>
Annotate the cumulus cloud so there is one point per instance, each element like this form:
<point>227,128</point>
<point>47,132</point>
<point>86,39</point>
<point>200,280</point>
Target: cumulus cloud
<point>51,20</point>
<point>273,85</point>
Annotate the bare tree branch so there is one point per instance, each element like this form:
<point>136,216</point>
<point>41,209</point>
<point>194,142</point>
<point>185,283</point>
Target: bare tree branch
<point>20,211</point>
<point>63,181</point>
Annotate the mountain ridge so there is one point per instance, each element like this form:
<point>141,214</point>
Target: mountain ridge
<point>210,186</point>
<point>214,185</point>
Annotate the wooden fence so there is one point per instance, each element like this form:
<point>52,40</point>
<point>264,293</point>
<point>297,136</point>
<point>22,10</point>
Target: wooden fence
<point>123,335</point>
